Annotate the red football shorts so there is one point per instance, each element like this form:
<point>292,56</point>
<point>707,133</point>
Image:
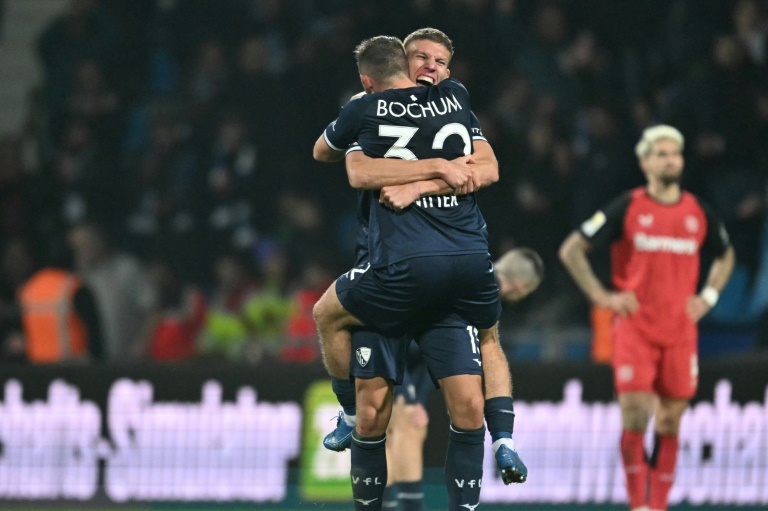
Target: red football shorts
<point>640,365</point>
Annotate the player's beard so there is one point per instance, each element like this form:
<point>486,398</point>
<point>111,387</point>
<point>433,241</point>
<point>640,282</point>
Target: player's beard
<point>668,180</point>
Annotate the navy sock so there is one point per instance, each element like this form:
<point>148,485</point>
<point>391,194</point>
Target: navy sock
<point>345,393</point>
<point>500,417</point>
<point>411,496</point>
<point>369,472</point>
<point>464,467</point>
<point>390,500</point>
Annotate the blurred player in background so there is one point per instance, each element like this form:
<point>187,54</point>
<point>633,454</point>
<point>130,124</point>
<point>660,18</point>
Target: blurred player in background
<point>656,234</point>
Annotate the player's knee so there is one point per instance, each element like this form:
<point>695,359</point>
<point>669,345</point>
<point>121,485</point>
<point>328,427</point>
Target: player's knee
<point>320,311</point>
<point>417,421</point>
<point>667,423</point>
<point>371,421</point>
<point>467,413</point>
<point>635,418</point>
<point>409,419</point>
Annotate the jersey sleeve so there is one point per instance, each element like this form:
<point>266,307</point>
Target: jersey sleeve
<point>717,239</point>
<point>477,131</point>
<point>607,224</point>
<point>342,132</point>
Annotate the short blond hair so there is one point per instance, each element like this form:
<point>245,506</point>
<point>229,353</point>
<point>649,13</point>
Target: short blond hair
<point>654,134</point>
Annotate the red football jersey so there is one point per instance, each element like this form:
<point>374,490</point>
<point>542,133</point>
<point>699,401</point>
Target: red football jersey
<point>655,251</point>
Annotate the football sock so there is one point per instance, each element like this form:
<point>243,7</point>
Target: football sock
<point>500,417</point>
<point>390,501</point>
<point>369,471</point>
<point>345,393</point>
<point>411,496</point>
<point>464,467</point>
<point>662,464</point>
<point>635,467</point>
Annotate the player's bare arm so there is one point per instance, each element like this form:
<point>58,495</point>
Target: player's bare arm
<point>324,153</point>
<point>485,167</point>
<point>399,197</point>
<point>699,305</point>
<point>369,173</point>
<point>573,254</point>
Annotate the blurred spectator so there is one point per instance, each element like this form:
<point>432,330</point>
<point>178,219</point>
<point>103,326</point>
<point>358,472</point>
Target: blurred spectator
<point>207,85</point>
<point>603,168</point>
<point>228,333</point>
<point>163,189</point>
<point>538,60</point>
<point>16,266</point>
<point>124,295</point>
<point>231,175</point>
<point>269,308</point>
<point>301,342</point>
<point>751,27</point>
<point>17,215</point>
<point>92,101</point>
<point>76,186</point>
<point>84,31</point>
<point>178,317</point>
<point>60,318</point>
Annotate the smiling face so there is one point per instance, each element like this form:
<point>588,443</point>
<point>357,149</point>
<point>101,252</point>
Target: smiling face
<point>427,62</point>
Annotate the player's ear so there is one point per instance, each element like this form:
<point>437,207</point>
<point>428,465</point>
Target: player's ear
<point>367,82</point>
<point>447,73</point>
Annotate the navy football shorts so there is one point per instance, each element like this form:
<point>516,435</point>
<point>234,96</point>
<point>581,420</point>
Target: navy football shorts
<point>375,354</point>
<point>412,294</point>
<point>417,384</point>
<point>451,348</point>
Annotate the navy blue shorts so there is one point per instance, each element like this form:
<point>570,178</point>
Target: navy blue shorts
<point>451,348</point>
<point>412,294</point>
<point>417,383</point>
<point>375,354</point>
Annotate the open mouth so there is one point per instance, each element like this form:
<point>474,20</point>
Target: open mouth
<point>426,81</point>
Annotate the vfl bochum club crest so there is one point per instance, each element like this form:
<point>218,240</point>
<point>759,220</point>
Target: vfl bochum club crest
<point>363,356</point>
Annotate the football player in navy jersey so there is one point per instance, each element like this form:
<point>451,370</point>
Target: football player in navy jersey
<point>429,53</point>
<point>656,234</point>
<point>427,263</point>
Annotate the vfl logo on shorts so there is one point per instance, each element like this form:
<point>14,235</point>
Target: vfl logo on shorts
<point>363,356</point>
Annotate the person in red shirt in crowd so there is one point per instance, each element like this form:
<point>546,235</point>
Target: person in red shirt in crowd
<point>300,329</point>
<point>656,234</point>
<point>179,317</point>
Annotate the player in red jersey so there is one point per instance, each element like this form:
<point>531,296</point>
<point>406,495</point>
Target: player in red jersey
<point>656,234</point>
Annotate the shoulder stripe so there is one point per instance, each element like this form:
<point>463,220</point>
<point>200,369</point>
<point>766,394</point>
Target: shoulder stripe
<point>354,148</point>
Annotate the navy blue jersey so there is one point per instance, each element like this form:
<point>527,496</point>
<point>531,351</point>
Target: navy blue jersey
<point>364,205</point>
<point>415,123</point>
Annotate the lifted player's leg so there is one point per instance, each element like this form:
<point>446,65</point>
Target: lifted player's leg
<point>333,323</point>
<point>499,409</point>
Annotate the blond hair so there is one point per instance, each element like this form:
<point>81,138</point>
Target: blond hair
<point>430,34</point>
<point>654,134</point>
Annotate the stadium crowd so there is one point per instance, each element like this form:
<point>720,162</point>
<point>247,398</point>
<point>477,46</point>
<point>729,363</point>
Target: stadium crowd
<point>166,158</point>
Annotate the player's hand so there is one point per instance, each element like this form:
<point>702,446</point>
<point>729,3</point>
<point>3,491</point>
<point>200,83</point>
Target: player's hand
<point>696,308</point>
<point>623,303</point>
<point>458,174</point>
<point>397,197</point>
<point>516,472</point>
